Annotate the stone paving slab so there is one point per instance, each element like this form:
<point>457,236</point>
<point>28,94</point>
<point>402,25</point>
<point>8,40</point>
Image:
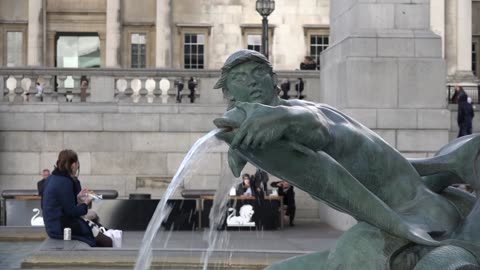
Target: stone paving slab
<point>185,249</point>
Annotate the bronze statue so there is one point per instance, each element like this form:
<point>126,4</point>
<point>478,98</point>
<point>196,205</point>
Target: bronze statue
<point>408,216</point>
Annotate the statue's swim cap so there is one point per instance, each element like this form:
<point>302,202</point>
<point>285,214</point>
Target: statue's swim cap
<point>238,58</point>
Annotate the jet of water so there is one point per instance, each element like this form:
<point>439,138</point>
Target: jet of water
<point>162,211</point>
<point>218,211</point>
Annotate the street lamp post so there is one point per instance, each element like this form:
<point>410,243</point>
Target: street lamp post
<point>265,8</point>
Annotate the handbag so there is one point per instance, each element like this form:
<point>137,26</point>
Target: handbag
<point>116,236</point>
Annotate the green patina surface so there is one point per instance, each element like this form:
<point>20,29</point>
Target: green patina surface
<point>408,216</point>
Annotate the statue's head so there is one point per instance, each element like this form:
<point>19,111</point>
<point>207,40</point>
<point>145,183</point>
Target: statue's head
<point>248,76</point>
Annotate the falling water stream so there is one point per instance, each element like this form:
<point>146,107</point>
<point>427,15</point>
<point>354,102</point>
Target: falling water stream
<point>187,167</point>
<point>216,239</point>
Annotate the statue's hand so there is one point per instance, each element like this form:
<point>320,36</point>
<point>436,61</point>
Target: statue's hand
<point>263,124</point>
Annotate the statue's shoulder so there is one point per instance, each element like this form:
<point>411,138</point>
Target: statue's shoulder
<point>303,103</point>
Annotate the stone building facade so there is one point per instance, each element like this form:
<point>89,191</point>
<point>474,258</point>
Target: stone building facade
<point>137,147</point>
<point>163,27</point>
<point>30,31</point>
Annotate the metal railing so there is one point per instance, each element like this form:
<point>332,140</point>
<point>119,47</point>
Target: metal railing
<point>472,92</point>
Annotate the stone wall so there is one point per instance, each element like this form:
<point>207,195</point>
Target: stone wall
<point>120,147</point>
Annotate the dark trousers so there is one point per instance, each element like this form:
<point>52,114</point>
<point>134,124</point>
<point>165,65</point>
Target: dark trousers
<point>291,208</point>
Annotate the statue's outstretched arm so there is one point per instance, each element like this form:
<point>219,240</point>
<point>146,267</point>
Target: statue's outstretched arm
<point>258,125</point>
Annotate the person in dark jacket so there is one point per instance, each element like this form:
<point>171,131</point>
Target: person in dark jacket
<point>457,94</point>
<point>308,64</point>
<point>464,116</point>
<point>299,86</point>
<point>41,183</point>
<point>64,206</point>
<point>192,84</point>
<point>261,180</point>
<point>285,86</point>
<point>286,190</point>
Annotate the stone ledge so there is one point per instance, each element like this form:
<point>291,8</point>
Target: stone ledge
<point>14,233</point>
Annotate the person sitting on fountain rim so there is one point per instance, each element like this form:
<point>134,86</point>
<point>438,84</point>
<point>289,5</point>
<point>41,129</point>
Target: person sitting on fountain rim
<point>337,160</point>
<point>64,204</point>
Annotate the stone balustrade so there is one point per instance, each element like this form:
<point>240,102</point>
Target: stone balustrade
<point>153,86</point>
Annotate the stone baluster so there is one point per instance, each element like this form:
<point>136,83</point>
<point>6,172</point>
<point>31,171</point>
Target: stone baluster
<point>118,95</point>
<point>18,91</point>
<point>173,90</point>
<point>3,89</point>
<point>48,93</point>
<point>33,89</point>
<point>157,92</point>
<point>76,88</point>
<point>165,87</point>
<point>143,92</point>
<point>129,91</point>
<point>85,89</point>
<point>61,91</point>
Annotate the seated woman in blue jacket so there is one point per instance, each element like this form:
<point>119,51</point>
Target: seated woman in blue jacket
<point>64,203</point>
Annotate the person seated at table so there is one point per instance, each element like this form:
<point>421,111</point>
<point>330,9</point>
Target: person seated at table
<point>64,205</point>
<point>244,188</point>
<point>41,183</point>
<point>286,190</point>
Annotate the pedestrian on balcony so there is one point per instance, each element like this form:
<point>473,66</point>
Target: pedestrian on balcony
<point>465,115</point>
<point>299,88</point>
<point>285,86</point>
<point>308,64</point>
<point>192,84</point>
<point>39,93</point>
<point>179,91</point>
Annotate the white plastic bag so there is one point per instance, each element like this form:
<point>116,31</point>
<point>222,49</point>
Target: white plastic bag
<point>116,236</point>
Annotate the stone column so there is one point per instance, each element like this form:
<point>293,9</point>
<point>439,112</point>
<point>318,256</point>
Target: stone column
<point>113,34</point>
<point>163,40</point>
<point>464,37</point>
<point>35,35</point>
<point>438,20</point>
<point>384,67</point>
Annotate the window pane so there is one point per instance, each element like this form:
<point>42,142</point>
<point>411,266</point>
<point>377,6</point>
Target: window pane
<point>254,42</point>
<point>139,47</point>
<point>138,38</point>
<point>14,49</point>
<point>78,51</point>
<point>193,50</point>
<point>318,43</point>
<point>201,39</point>
<point>474,58</point>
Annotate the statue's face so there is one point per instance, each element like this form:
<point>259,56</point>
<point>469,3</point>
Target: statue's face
<point>251,82</point>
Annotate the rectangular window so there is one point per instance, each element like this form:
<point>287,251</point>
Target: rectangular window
<point>193,51</point>
<point>254,42</point>
<point>14,49</point>
<point>318,43</point>
<point>138,53</point>
<point>474,58</point>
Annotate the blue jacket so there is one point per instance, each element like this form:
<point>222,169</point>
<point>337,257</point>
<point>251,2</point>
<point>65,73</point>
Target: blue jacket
<point>60,209</point>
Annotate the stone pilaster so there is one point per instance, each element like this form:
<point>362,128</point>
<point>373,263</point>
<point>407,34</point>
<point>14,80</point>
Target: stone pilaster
<point>35,36</point>
<point>163,40</point>
<point>113,34</point>
<point>385,68</point>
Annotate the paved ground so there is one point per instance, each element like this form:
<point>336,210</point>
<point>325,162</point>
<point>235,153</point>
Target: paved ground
<point>172,250</point>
